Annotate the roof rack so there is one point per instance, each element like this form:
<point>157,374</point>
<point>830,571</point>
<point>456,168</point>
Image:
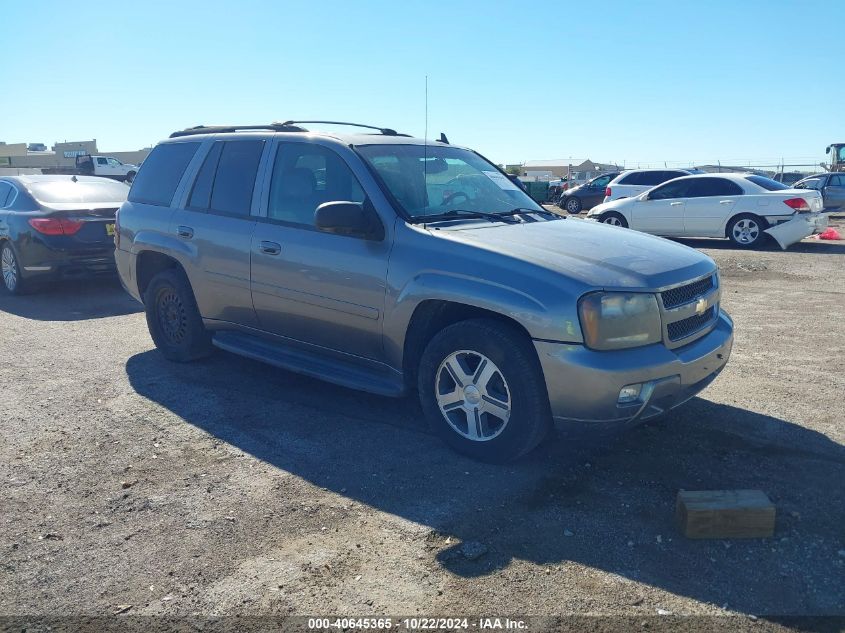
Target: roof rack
<point>384,130</point>
<point>218,129</point>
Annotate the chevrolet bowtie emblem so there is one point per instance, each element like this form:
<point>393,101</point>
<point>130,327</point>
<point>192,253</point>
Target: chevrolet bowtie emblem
<point>701,306</point>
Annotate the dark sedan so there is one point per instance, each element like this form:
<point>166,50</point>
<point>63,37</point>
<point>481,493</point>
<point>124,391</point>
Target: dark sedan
<point>56,227</point>
<point>585,197</point>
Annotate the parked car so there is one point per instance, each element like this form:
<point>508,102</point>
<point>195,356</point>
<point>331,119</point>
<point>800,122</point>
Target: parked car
<point>105,166</point>
<point>635,181</point>
<point>586,196</point>
<point>56,227</point>
<point>831,186</point>
<point>414,266</point>
<point>741,207</point>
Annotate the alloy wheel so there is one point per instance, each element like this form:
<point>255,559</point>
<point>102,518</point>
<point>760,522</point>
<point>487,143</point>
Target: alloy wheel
<point>746,231</point>
<point>10,269</point>
<point>473,395</point>
<point>613,220</point>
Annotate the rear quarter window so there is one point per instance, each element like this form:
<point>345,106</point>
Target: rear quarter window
<point>767,183</point>
<point>632,179</point>
<point>161,172</point>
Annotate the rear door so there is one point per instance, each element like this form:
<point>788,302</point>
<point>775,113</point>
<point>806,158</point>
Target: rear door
<point>708,206</point>
<point>216,227</point>
<point>318,288</point>
<point>662,212</point>
<point>834,193</point>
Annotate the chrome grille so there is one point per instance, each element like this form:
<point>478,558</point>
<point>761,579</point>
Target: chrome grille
<point>675,297</point>
<point>690,325</point>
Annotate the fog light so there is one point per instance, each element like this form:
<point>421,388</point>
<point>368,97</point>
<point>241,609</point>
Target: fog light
<point>629,393</point>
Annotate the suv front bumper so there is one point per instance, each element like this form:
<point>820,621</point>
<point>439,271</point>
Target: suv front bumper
<point>584,384</point>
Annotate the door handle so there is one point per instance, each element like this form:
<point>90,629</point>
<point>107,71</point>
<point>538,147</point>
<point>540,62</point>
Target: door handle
<point>185,231</point>
<point>675,204</point>
<point>726,201</point>
<point>270,248</point>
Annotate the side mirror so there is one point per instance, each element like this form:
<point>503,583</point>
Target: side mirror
<point>353,219</point>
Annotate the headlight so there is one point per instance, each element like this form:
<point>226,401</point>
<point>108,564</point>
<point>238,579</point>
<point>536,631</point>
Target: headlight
<point>616,320</point>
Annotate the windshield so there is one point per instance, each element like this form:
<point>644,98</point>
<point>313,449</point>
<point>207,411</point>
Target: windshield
<point>80,191</point>
<point>435,180</point>
<point>767,183</point>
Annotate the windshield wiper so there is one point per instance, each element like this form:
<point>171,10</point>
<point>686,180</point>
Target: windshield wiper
<point>527,210</point>
<point>495,217</point>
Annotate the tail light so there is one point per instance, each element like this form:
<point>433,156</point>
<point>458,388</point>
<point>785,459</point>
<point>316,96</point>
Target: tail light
<point>607,192</point>
<point>117,229</point>
<point>55,226</point>
<point>799,204</point>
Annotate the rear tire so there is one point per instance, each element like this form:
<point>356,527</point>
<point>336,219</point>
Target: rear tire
<point>482,390</point>
<point>573,206</point>
<point>613,218</point>
<point>746,230</point>
<point>13,282</point>
<point>173,318</point>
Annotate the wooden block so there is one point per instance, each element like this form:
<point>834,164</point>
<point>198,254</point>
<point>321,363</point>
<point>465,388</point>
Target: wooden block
<point>725,514</point>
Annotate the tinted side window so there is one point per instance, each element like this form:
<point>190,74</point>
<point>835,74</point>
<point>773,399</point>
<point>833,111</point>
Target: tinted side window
<point>679,189</point>
<point>5,194</point>
<point>652,178</point>
<point>304,177</point>
<point>669,175</point>
<point>631,179</point>
<point>201,193</point>
<point>703,187</point>
<point>235,179</point>
<point>837,181</point>
<point>161,172</point>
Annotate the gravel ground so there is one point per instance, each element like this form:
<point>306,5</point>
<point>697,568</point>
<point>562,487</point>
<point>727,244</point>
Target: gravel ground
<point>229,487</point>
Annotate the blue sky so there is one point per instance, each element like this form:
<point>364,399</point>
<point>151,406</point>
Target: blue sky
<point>642,81</point>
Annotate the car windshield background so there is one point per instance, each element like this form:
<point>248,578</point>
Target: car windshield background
<point>304,177</point>
<point>109,191</point>
<point>433,180</point>
<point>767,183</point>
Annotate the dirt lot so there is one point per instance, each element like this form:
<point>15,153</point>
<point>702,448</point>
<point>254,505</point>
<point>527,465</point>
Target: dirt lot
<point>229,487</point>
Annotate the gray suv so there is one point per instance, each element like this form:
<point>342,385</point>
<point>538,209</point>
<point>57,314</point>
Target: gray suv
<point>390,264</point>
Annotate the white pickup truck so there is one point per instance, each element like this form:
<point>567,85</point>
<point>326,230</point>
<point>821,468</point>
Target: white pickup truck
<point>105,166</point>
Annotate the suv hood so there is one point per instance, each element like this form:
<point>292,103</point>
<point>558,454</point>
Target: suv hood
<point>598,255</point>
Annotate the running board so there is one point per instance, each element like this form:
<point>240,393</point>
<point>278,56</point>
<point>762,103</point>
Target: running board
<point>383,381</point>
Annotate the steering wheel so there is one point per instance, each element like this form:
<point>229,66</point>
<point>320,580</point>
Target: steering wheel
<point>449,199</point>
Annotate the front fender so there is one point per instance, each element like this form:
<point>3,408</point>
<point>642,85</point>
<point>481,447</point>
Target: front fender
<point>540,320</point>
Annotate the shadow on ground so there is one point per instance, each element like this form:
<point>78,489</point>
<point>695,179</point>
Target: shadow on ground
<point>72,301</point>
<point>815,247</point>
<point>614,494</point>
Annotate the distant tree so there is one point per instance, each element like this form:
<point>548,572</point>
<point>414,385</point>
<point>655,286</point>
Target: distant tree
<point>514,170</point>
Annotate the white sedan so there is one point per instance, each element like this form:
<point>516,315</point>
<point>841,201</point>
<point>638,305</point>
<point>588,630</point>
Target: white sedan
<point>741,207</point>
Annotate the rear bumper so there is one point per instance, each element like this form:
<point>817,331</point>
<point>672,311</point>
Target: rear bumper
<point>584,385</point>
<point>801,226</point>
<point>46,264</point>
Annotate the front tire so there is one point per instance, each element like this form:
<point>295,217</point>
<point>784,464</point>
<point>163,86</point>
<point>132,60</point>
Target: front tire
<point>173,318</point>
<point>483,391</point>
<point>614,219</point>
<point>573,206</point>
<point>13,282</point>
<point>746,231</point>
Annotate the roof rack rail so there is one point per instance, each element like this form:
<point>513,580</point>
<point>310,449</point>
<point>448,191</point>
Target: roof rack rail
<point>384,130</point>
<point>219,129</point>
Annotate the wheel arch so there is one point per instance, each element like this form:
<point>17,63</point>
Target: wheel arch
<point>149,263</point>
<point>433,315</point>
<point>764,224</point>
